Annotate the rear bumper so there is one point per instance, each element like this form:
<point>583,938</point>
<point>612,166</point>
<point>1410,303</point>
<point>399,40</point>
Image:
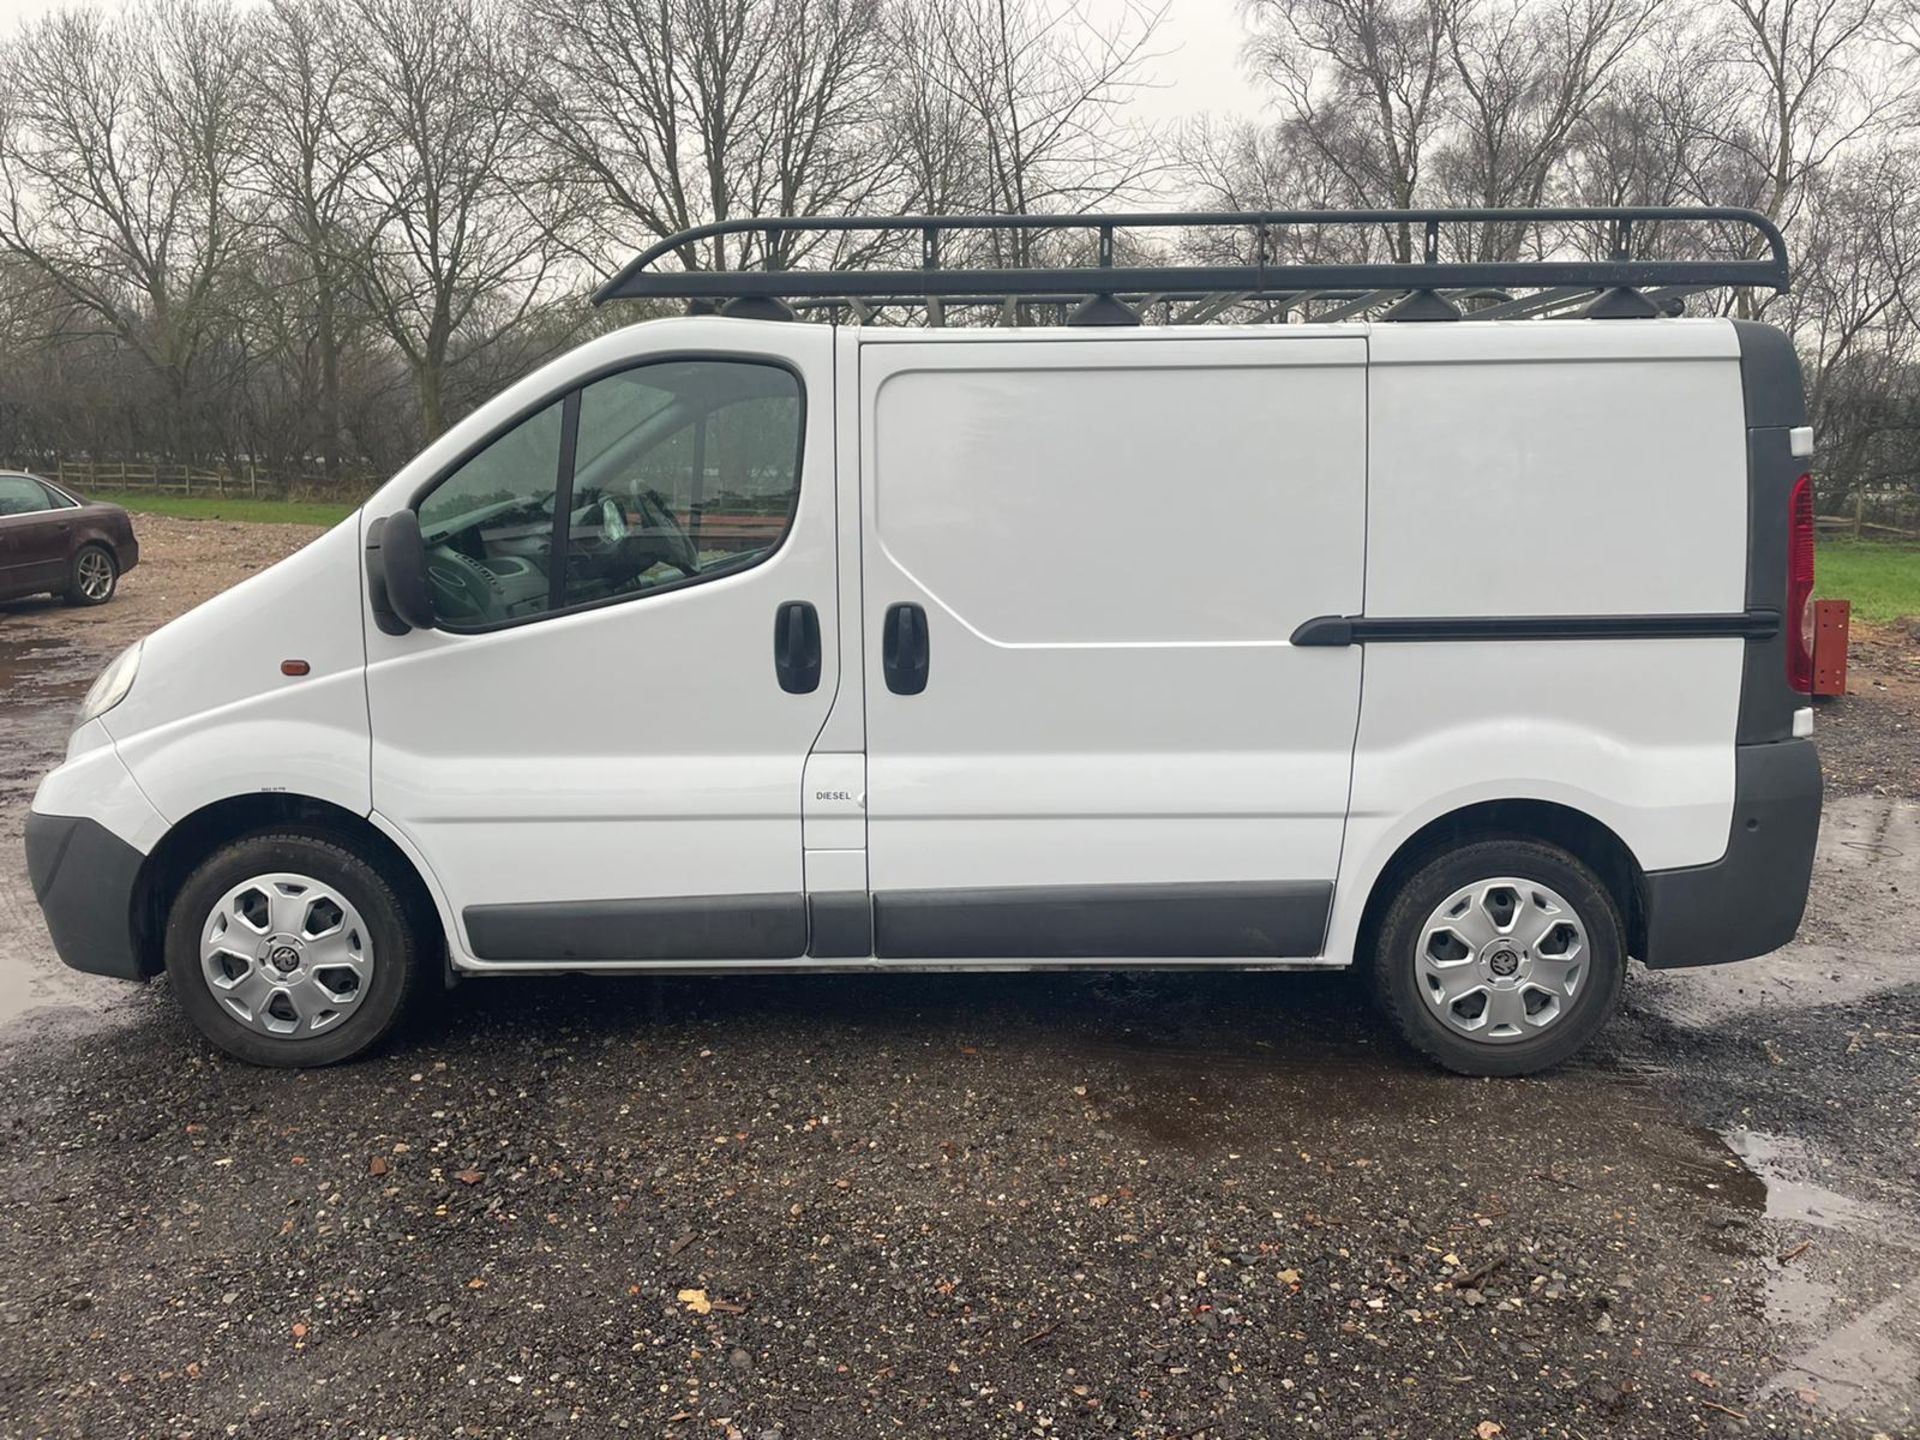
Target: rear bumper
<point>1749,901</point>
<point>83,876</point>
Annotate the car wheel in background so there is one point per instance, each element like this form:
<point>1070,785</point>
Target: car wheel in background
<point>93,577</point>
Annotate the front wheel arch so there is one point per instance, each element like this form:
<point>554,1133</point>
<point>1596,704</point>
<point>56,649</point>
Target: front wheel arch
<point>203,832</point>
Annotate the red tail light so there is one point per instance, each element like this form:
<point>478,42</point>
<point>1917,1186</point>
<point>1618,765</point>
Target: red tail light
<point>1799,615</point>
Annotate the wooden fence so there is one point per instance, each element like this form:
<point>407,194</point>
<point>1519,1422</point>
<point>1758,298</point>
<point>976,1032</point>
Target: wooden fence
<point>162,478</point>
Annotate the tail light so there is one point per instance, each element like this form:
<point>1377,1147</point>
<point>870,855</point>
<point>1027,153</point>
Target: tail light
<point>1799,615</point>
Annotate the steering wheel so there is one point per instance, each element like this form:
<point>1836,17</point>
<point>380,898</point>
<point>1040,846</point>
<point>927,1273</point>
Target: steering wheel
<point>677,547</point>
<point>613,521</point>
<point>462,588</point>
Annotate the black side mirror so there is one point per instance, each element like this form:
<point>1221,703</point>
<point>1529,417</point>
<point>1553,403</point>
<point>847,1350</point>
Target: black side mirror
<point>397,574</point>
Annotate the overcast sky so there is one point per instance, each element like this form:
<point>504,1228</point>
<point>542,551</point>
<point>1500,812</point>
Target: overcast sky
<point>1199,42</point>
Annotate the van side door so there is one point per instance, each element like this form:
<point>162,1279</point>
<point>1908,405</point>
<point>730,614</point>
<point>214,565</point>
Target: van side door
<point>599,752</point>
<point>1088,734</point>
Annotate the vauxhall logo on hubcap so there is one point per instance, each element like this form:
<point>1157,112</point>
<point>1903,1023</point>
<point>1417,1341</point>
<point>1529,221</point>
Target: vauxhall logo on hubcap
<point>285,958</point>
<point>1504,963</point>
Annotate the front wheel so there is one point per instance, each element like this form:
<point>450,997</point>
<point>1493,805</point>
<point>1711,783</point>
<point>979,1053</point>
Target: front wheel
<point>289,949</point>
<point>1501,957</point>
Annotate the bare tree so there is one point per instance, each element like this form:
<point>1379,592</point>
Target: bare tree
<point>1364,83</point>
<point>1032,97</point>
<point>1524,73</point>
<point>456,214</point>
<point>307,149</point>
<point>119,157</point>
<point>1805,65</point>
<point>669,114</point>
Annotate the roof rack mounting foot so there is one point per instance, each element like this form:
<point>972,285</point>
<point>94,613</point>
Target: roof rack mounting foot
<point>1104,310</point>
<point>757,307</point>
<point>701,305</point>
<point>1422,305</point>
<point>1621,302</point>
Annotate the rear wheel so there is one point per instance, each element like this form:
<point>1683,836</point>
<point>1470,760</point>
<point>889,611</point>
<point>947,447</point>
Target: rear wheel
<point>289,949</point>
<point>93,577</point>
<point>1501,957</point>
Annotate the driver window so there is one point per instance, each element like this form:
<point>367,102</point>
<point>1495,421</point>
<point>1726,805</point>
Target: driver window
<point>679,471</point>
<point>488,527</point>
<point>683,470</point>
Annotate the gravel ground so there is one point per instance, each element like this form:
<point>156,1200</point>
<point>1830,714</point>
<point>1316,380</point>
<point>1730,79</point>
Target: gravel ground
<point>1153,1206</point>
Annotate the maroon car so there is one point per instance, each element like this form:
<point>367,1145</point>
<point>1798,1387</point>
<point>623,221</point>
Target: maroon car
<point>51,540</point>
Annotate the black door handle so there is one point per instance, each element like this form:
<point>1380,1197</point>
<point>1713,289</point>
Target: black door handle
<point>796,647</point>
<point>903,649</point>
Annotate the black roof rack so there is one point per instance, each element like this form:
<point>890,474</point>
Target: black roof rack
<point>1426,288</point>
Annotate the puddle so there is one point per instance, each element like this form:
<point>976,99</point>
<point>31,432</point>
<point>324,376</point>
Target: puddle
<point>41,682</point>
<point>1858,1368</point>
<point>1776,1161</point>
<point>1837,1285</point>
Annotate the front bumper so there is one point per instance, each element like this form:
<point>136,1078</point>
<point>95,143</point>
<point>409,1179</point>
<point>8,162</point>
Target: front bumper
<point>83,876</point>
<point>1749,901</point>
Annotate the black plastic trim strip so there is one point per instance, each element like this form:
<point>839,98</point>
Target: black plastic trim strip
<point>701,927</point>
<point>1776,405</point>
<point>840,925</point>
<point>1394,630</point>
<point>1232,920</point>
<point>560,541</point>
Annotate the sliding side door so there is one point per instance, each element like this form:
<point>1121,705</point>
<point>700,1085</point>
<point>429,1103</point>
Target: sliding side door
<point>1088,735</point>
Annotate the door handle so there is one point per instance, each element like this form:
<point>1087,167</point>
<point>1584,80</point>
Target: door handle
<point>796,647</point>
<point>903,649</point>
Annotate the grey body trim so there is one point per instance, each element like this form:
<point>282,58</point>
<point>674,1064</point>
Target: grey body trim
<point>1029,925</point>
<point>840,926</point>
<point>1261,919</point>
<point>700,927</point>
<point>83,875</point>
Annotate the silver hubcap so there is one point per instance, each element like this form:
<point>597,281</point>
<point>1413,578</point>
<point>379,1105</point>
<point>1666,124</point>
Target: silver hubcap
<point>96,575</point>
<point>286,955</point>
<point>1501,960</point>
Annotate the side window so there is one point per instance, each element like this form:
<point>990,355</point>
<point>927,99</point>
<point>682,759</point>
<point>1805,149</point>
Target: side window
<point>683,471</point>
<point>21,495</point>
<point>488,527</point>
<point>56,500</point>
<point>661,475</point>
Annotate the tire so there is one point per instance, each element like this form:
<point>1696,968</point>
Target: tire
<point>94,576</point>
<point>1440,942</point>
<point>341,986</point>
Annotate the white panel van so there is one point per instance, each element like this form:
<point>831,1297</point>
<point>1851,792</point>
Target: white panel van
<point>1473,654</point>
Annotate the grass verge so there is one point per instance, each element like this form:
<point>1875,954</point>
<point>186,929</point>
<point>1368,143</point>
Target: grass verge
<point>1882,581</point>
<point>228,507</point>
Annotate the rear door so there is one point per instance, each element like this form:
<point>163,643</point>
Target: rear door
<point>1088,734</point>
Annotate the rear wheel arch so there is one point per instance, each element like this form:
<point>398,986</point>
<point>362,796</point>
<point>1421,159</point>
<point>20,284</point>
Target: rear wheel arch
<point>199,835</point>
<point>1579,834</point>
